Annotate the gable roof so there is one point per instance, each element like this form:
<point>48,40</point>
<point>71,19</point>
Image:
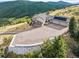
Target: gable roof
<point>40,17</point>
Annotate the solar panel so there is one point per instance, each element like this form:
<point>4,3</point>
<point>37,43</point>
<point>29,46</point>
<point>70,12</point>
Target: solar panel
<point>60,18</point>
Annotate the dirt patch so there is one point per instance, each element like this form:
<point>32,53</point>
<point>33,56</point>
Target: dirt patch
<point>1,41</point>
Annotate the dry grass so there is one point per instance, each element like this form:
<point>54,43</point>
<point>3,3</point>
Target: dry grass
<point>68,12</point>
<point>6,40</point>
<point>15,28</point>
<point>71,44</point>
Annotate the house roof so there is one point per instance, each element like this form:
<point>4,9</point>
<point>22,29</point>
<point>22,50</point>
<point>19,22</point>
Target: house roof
<point>43,17</point>
<point>40,17</point>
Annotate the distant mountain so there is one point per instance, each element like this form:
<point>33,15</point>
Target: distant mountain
<point>77,4</point>
<point>60,2</point>
<point>28,8</point>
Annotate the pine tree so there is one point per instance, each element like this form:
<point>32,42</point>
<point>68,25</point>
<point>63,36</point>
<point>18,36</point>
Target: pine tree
<point>78,30</point>
<point>72,27</point>
<point>55,48</point>
<point>77,36</point>
<point>46,49</point>
<point>59,48</point>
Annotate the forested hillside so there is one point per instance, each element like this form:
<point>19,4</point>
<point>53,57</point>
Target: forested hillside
<point>12,10</point>
<point>28,8</point>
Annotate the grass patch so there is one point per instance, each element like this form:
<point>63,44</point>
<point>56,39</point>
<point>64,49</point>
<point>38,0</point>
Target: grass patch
<point>15,28</point>
<point>6,40</point>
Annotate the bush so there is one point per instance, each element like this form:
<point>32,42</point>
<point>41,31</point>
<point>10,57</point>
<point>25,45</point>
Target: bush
<point>6,40</point>
<point>22,20</point>
<point>11,55</point>
<point>13,21</point>
<point>34,54</point>
<point>72,27</point>
<point>59,48</point>
<point>76,51</point>
<point>55,48</point>
<point>2,52</point>
<point>47,49</point>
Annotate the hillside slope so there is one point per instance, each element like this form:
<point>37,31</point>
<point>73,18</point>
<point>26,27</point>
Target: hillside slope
<point>28,8</point>
<point>68,11</point>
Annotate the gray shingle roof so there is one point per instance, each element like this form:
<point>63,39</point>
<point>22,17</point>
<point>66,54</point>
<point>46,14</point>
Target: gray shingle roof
<point>40,17</point>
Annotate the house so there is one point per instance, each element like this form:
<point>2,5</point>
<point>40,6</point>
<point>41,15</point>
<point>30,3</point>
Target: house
<point>42,18</point>
<point>46,19</point>
<point>31,40</point>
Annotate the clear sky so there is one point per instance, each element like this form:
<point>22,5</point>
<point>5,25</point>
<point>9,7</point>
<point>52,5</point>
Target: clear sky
<point>72,1</point>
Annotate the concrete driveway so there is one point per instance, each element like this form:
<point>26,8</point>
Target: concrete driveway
<point>36,35</point>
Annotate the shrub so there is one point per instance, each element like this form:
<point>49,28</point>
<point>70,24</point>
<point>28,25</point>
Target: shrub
<point>6,40</point>
<point>76,51</point>
<point>55,48</point>
<point>72,27</point>
<point>59,48</point>
<point>34,54</point>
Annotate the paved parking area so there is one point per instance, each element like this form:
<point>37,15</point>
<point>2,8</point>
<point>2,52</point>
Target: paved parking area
<point>36,35</point>
<point>56,26</point>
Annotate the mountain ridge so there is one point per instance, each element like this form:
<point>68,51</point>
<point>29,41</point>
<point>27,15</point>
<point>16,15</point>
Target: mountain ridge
<point>28,8</point>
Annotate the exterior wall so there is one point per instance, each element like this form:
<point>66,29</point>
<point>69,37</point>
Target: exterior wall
<point>64,23</point>
<point>36,24</point>
<point>43,17</point>
<point>23,49</point>
<point>60,22</point>
<point>40,17</point>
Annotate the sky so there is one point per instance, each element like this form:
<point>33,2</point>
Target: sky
<point>72,1</point>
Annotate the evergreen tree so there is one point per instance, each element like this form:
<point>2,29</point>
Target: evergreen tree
<point>78,30</point>
<point>72,27</point>
<point>76,51</point>
<point>59,48</point>
<point>47,49</point>
<point>55,48</point>
<point>77,36</point>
